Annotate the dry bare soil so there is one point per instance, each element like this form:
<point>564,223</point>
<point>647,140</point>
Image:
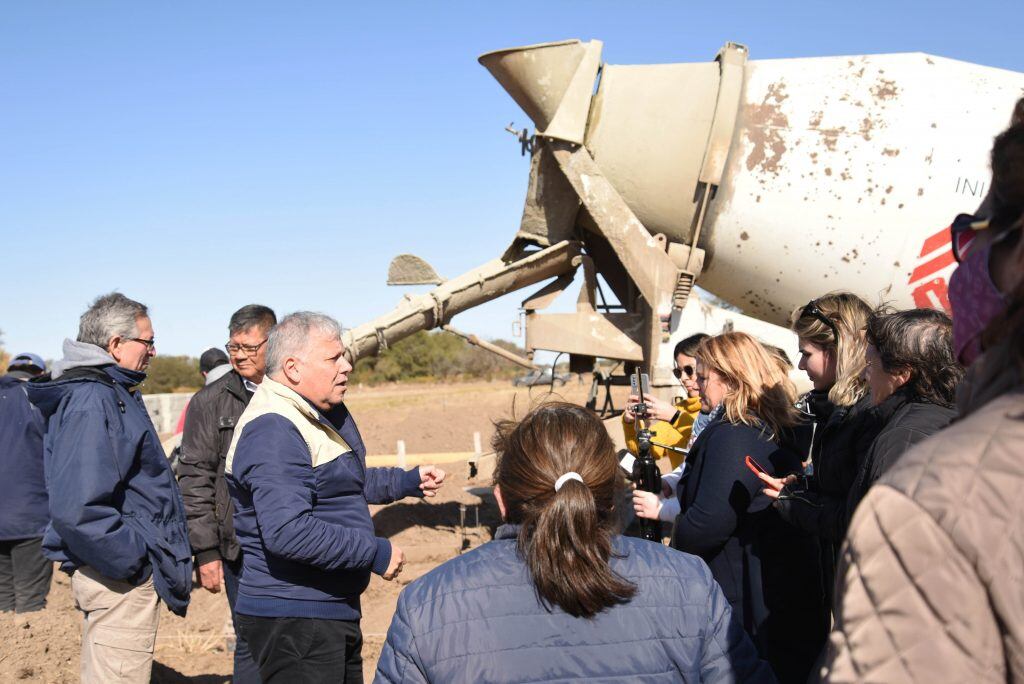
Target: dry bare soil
<point>429,419</point>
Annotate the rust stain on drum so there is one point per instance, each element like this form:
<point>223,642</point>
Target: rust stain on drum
<point>885,90</point>
<point>866,126</point>
<point>830,136</point>
<point>765,123</point>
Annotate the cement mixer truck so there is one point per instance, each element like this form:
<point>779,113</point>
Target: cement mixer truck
<point>766,183</point>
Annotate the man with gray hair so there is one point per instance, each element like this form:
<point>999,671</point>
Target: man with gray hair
<point>298,477</point>
<point>209,426</point>
<point>117,523</point>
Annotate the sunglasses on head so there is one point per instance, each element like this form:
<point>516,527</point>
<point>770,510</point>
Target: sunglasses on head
<point>813,311</point>
<point>680,372</point>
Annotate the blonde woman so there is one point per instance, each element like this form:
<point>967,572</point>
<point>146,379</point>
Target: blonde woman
<point>766,568</point>
<point>833,354</point>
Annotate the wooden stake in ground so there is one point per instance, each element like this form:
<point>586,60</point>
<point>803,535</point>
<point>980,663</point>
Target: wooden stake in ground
<point>477,453</point>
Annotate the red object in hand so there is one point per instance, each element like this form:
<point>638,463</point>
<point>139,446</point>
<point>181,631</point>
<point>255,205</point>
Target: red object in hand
<point>754,466</point>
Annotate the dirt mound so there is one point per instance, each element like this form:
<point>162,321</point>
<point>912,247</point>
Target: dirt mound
<point>429,418</point>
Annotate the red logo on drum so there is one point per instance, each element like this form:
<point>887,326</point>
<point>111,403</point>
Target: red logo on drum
<point>931,291</point>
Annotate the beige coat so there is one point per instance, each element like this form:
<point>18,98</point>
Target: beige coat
<point>930,586</point>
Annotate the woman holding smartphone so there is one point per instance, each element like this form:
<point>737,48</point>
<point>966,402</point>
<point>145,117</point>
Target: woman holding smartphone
<point>674,425</point>
<point>767,569</point>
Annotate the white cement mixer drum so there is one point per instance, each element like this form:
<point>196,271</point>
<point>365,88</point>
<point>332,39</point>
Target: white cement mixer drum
<point>845,173</point>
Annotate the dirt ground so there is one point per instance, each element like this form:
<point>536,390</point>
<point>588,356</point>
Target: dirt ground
<point>429,419</point>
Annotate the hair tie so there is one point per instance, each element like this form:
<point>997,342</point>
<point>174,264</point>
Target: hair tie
<point>565,478</point>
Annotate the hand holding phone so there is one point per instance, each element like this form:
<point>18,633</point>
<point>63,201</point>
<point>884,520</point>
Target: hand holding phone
<point>755,467</point>
<point>773,485</point>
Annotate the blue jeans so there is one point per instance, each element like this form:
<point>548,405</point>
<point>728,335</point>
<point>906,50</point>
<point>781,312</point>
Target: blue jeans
<point>246,671</point>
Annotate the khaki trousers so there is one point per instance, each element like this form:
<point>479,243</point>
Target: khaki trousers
<point>119,627</point>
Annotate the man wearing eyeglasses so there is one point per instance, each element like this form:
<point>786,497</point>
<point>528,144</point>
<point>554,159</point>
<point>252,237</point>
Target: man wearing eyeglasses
<point>117,523</point>
<point>209,426</point>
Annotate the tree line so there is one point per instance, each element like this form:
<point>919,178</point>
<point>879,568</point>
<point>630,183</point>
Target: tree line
<point>423,357</point>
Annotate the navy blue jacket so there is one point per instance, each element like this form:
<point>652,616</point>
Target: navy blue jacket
<point>767,569</point>
<point>23,508</point>
<point>477,618</point>
<point>308,543</point>
<point>114,502</point>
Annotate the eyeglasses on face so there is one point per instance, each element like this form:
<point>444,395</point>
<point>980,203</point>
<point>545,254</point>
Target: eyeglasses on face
<point>686,370</point>
<point>812,310</point>
<point>966,228</point>
<point>963,231</point>
<point>150,343</point>
<point>247,349</point>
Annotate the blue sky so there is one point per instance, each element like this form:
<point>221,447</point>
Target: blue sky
<point>200,156</point>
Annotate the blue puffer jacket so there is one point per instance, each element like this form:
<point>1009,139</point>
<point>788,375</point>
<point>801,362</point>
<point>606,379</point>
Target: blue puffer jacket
<point>114,503</point>
<point>477,618</point>
<point>23,509</point>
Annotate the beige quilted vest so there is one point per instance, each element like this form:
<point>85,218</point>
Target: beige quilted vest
<point>323,441</point>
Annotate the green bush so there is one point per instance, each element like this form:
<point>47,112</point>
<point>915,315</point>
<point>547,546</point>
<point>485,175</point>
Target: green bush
<point>435,356</point>
<point>172,374</point>
<point>423,356</point>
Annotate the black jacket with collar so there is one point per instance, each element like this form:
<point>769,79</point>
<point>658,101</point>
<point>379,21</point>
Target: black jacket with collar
<point>857,453</point>
<point>209,427</point>
<point>906,421</point>
<point>817,504</point>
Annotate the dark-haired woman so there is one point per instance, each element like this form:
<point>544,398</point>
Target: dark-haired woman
<point>912,376</point>
<point>558,596</point>
<point>930,584</point>
<point>675,425</point>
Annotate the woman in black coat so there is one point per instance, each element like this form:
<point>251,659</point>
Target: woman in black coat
<point>912,375</point>
<point>832,353</point>
<point>766,568</point>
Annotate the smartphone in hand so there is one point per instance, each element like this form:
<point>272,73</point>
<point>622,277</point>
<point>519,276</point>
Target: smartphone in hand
<point>754,466</point>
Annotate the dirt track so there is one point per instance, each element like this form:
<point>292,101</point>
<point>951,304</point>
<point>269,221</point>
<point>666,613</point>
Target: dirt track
<point>429,418</point>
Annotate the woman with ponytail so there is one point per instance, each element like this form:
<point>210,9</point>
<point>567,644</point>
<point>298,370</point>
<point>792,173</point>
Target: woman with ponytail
<point>559,595</point>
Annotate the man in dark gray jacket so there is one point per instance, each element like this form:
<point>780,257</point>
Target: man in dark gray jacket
<point>209,427</point>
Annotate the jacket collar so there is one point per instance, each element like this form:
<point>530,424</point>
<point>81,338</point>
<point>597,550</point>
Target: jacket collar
<point>507,531</point>
<point>290,396</point>
<point>893,403</point>
<point>295,399</point>
<point>123,376</point>
<point>234,385</point>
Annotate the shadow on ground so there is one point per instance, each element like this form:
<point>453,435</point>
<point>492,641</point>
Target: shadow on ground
<point>162,674</point>
<point>398,517</point>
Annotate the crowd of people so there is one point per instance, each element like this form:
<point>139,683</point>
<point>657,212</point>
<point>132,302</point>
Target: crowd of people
<point>869,530</point>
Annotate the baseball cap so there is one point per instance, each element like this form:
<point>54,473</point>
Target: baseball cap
<point>27,359</point>
<point>212,358</point>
